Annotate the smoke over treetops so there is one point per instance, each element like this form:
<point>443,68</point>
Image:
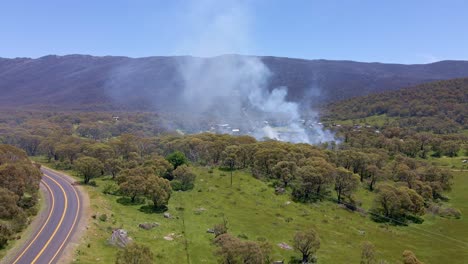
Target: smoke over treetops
<point>231,91</point>
<point>229,94</point>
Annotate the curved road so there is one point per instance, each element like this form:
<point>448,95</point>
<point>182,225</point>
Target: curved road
<point>54,232</point>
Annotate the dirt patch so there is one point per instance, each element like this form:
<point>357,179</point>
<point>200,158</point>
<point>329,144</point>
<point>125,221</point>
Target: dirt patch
<point>284,246</point>
<point>171,236</point>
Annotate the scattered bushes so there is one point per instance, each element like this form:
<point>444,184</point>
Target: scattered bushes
<point>233,250</point>
<point>135,253</point>
<point>447,212</point>
<point>110,188</point>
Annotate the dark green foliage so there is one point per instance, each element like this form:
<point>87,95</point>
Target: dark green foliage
<point>103,217</point>
<point>176,185</point>
<point>4,235</point>
<point>177,159</point>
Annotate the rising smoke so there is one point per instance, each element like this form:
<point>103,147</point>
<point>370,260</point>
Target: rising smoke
<point>224,94</point>
<point>232,90</point>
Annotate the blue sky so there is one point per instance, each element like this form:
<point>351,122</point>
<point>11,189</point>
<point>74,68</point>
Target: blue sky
<point>384,31</point>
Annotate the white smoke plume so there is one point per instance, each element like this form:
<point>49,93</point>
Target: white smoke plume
<point>232,90</point>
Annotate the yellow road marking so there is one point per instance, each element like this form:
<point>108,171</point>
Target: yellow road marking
<point>72,227</point>
<point>43,226</point>
<point>59,224</point>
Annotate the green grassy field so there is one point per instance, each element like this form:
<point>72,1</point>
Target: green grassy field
<point>254,211</point>
<point>376,121</point>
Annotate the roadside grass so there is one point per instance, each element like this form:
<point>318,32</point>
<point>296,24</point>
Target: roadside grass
<point>252,210</point>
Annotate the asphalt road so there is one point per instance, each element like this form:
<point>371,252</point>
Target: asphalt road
<point>54,232</point>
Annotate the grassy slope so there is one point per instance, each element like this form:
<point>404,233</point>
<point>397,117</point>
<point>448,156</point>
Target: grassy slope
<point>376,120</point>
<point>252,209</point>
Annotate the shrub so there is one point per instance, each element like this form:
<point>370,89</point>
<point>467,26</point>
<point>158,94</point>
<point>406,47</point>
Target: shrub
<point>135,253</point>
<point>243,236</point>
<point>103,217</point>
<point>450,212</point>
<point>176,185</point>
<point>4,235</point>
<point>110,188</point>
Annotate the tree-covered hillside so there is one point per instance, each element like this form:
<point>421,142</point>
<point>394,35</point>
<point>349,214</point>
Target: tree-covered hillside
<point>440,107</point>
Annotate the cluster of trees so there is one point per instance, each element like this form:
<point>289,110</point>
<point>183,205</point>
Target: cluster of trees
<point>234,250</point>
<point>151,176</point>
<point>395,204</point>
<point>135,254</point>
<point>405,186</point>
<point>19,185</point>
<point>369,255</point>
<point>142,181</point>
<point>27,130</point>
<point>396,140</point>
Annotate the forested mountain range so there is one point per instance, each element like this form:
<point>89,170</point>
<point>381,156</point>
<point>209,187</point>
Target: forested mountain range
<point>110,82</point>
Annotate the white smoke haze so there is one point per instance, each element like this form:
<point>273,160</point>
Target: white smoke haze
<point>233,90</point>
<point>218,93</point>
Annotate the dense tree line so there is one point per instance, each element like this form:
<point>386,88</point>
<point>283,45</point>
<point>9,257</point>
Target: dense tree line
<point>403,141</point>
<point>19,185</point>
